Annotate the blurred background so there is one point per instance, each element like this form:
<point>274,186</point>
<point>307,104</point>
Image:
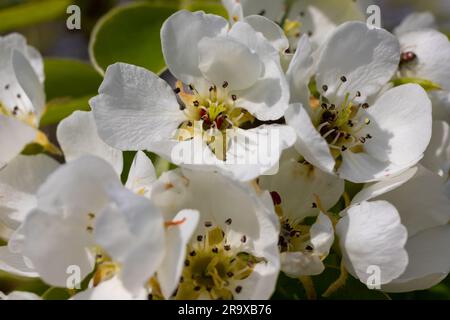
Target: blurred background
<point>43,23</point>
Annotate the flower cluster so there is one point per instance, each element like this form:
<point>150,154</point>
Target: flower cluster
<point>300,139</point>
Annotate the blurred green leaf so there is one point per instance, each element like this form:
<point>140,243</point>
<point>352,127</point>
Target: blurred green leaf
<point>69,78</point>
<point>426,84</point>
<point>31,13</point>
<point>69,85</point>
<point>59,109</point>
<point>130,34</point>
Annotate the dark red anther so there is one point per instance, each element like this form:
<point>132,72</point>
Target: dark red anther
<point>219,121</point>
<point>276,198</point>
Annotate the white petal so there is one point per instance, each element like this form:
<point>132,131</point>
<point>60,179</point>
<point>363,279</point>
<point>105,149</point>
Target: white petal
<point>224,60</point>
<point>363,168</point>
<point>177,239</point>
<point>14,263</point>
<point>416,21</point>
<point>400,125</point>
<point>298,184</point>
<point>297,264</point>
<point>29,81</point>
<point>437,156</point>
<point>371,234</point>
<point>142,174</point>
<point>77,136</point>
<point>78,188</point>
<point>299,72</point>
<point>131,231</point>
<point>268,98</point>
<point>20,295</point>
<point>112,289</point>
<point>368,58</point>
<point>19,183</point>
<point>429,261</point>
<point>374,190</point>
<point>234,9</point>
<point>250,153</point>
<point>271,31</point>
<point>310,144</point>
<point>180,35</point>
<point>322,235</point>
<point>54,244</point>
<point>135,110</point>
<point>421,201</point>
<point>14,136</point>
<point>432,49</point>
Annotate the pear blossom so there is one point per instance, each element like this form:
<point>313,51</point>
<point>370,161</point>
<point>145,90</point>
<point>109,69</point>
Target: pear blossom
<point>423,205</point>
<point>229,79</point>
<point>233,253</point>
<point>67,226</point>
<point>352,125</point>
<point>22,97</point>
<point>316,19</point>
<point>295,189</point>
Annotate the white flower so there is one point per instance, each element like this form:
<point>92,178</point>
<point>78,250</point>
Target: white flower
<point>230,78</point>
<point>85,216</point>
<point>295,190</point>
<point>314,18</point>
<point>341,130</point>
<point>233,253</point>
<point>22,97</point>
<point>421,200</point>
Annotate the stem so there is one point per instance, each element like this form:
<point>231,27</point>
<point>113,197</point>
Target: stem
<point>339,283</point>
<point>308,284</point>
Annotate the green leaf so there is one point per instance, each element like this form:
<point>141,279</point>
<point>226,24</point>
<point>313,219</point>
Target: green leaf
<point>31,13</point>
<point>69,85</point>
<point>130,34</point>
<point>426,84</point>
<point>70,78</point>
<point>59,109</point>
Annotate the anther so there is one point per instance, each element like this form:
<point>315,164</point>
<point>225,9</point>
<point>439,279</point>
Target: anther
<point>325,88</point>
<point>234,97</point>
<point>314,205</point>
<point>199,238</point>
<point>238,289</point>
<point>344,148</point>
<point>244,239</point>
<point>196,103</point>
<point>227,247</point>
<point>365,105</point>
<point>215,250</point>
<point>197,288</point>
<point>230,274</point>
<point>276,198</point>
<point>177,90</point>
<point>229,221</point>
<point>225,84</point>
<point>187,263</point>
<point>208,224</point>
<point>192,253</point>
<point>344,79</point>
